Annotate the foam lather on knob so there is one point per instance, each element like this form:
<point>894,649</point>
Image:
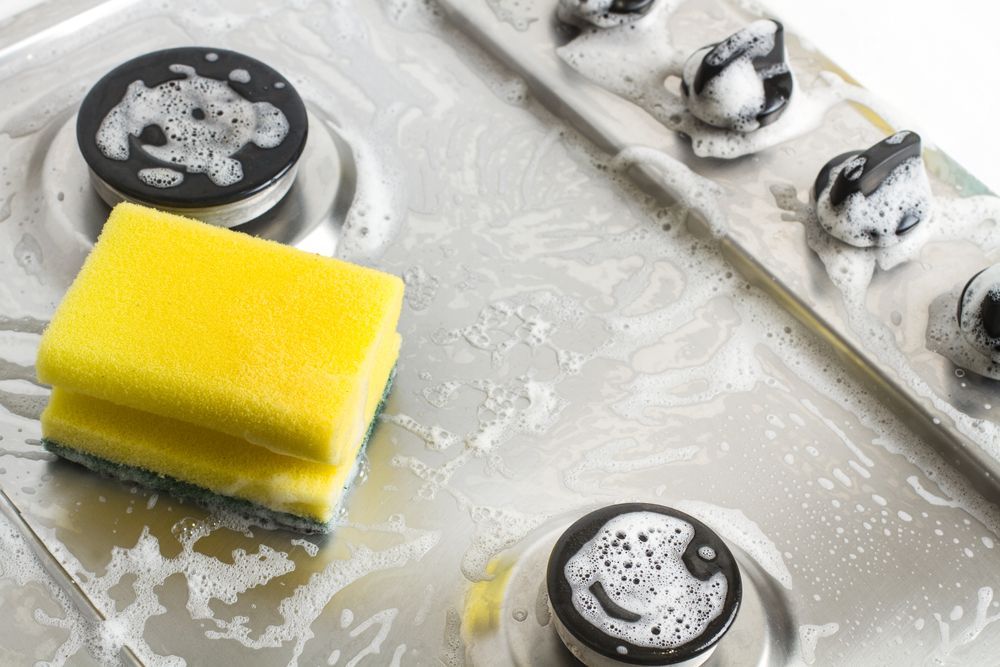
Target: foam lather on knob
<point>877,196</point>
<point>741,83</point>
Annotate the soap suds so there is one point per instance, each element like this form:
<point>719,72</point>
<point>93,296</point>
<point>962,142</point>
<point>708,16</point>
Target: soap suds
<point>952,641</point>
<point>161,177</point>
<point>691,190</point>
<point>735,97</point>
<point>865,221</point>
<point>637,559</point>
<point>604,14</point>
<point>203,121</point>
<point>17,563</point>
<point>306,602</point>
<point>383,620</point>
<point>421,288</point>
<point>518,13</point>
<point>982,290</point>
<point>964,340</point>
<point>608,459</point>
<point>29,256</point>
<point>210,579</point>
<point>734,525</point>
<point>522,407</point>
<point>851,269</point>
<point>945,336</point>
<point>809,636</point>
<point>636,60</point>
<point>656,275</point>
<point>496,528</point>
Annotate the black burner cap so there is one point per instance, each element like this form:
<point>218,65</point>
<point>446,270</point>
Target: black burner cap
<point>560,592</point>
<point>255,82</point>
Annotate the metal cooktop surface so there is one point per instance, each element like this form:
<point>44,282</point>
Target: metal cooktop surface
<point>570,339</point>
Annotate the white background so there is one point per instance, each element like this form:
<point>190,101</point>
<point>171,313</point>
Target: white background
<point>937,64</point>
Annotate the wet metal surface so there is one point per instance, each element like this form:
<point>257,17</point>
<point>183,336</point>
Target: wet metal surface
<point>569,341</point>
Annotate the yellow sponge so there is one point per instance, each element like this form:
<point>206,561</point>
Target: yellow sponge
<point>257,340</point>
<point>191,356</point>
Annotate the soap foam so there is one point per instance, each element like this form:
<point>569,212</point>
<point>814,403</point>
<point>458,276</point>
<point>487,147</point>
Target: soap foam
<point>947,338</point>
<point>738,529</point>
<point>876,419</point>
<point>19,564</point>
<point>851,270</point>
<point>607,460</point>
<point>520,14</point>
<point>585,13</point>
<point>952,642</point>
<point>636,60</point>
<point>865,221</point>
<point>849,267</point>
<point>521,407</point>
<point>226,580</point>
<point>986,284</point>
<point>809,636</point>
<point>689,188</point>
<point>734,98</point>
<point>304,605</point>
<point>496,529</point>
<point>204,123</point>
<point>161,177</point>
<point>637,559</point>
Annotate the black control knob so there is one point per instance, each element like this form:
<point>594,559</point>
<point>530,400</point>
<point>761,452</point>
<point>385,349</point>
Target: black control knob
<point>979,312</point>
<point>742,83</point>
<point>602,13</point>
<point>629,6</point>
<point>874,197</point>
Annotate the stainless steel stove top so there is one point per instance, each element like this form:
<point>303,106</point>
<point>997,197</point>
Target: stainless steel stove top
<point>571,339</point>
